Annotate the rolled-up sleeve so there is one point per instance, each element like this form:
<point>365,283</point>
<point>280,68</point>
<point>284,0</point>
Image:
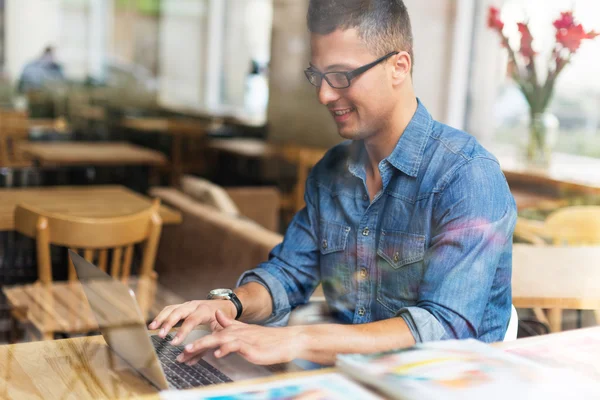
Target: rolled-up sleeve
<point>473,218</point>
<point>291,274</point>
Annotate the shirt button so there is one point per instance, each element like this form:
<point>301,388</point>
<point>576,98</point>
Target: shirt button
<point>366,232</point>
<point>363,272</point>
<point>324,244</point>
<point>365,197</point>
<point>361,312</point>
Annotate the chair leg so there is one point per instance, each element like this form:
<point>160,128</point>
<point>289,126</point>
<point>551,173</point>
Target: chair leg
<point>15,332</point>
<point>24,177</point>
<point>9,176</point>
<point>579,319</point>
<point>555,318</point>
<point>541,316</point>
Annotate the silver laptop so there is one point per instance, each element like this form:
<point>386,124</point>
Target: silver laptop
<point>124,328</point>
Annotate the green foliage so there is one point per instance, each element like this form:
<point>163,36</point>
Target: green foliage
<point>147,7</point>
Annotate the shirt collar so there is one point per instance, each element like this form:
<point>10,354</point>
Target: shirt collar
<point>408,153</point>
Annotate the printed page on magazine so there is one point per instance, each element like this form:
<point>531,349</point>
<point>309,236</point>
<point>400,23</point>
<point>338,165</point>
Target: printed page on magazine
<point>465,369</point>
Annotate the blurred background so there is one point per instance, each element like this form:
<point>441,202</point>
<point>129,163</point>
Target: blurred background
<point>203,103</point>
<point>218,57</point>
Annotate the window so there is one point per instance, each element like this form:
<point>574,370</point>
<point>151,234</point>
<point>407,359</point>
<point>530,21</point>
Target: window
<point>221,65</point>
<point>576,101</point>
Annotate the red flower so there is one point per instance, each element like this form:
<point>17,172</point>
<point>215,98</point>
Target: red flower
<point>565,21</point>
<point>572,37</point>
<point>526,41</point>
<point>494,20</point>
<point>592,34</point>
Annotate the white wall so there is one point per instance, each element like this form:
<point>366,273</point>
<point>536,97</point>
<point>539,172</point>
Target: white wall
<point>80,42</point>
<point>433,24</point>
<point>206,47</point>
<point>182,59</point>
<point>31,25</point>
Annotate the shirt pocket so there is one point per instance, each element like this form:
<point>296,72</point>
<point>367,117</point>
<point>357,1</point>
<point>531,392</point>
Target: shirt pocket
<point>399,268</point>
<point>334,261</point>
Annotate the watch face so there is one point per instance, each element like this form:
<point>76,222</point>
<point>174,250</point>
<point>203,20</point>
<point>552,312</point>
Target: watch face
<point>221,292</point>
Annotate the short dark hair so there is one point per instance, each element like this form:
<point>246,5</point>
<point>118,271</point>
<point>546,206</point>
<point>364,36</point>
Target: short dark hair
<point>384,25</point>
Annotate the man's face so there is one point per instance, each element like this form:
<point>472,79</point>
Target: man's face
<point>363,109</point>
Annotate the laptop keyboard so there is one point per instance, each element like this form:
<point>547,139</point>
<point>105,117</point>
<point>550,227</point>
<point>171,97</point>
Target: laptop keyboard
<point>182,376</point>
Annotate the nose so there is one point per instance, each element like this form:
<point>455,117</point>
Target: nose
<point>327,94</point>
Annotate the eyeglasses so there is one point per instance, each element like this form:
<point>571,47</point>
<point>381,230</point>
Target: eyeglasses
<point>341,80</point>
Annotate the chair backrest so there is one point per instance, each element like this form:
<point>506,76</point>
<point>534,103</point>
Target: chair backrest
<point>95,237</point>
<point>578,225</point>
<point>307,158</point>
<point>304,158</point>
<point>14,127</point>
<point>529,231</point>
<point>209,193</point>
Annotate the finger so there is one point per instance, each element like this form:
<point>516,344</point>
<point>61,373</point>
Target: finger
<point>223,319</point>
<point>200,316</point>
<point>176,315</point>
<point>202,345</point>
<point>194,360</point>
<point>244,349</point>
<point>215,326</point>
<point>159,319</point>
<point>227,348</point>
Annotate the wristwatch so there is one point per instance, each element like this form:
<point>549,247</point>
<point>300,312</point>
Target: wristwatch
<point>227,294</point>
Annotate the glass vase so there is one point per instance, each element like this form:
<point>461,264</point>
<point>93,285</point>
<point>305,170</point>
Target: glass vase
<point>543,135</point>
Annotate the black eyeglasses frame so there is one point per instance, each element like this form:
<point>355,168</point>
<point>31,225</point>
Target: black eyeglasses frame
<point>349,74</point>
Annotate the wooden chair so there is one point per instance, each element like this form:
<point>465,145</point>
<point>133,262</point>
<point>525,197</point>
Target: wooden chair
<point>94,238</point>
<point>188,147</point>
<point>567,226</point>
<point>530,231</point>
<point>14,128</point>
<point>577,225</point>
<point>304,158</point>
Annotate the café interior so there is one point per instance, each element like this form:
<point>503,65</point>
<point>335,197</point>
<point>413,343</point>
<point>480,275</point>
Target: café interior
<point>168,143</point>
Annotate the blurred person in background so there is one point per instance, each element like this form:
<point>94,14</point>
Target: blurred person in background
<point>41,86</point>
<point>37,74</point>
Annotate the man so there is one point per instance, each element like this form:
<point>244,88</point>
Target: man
<point>38,73</point>
<point>408,226</point>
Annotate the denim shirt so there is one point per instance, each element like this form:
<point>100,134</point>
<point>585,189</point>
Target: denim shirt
<point>434,247</point>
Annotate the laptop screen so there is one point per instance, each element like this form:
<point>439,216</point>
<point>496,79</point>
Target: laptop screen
<point>120,319</point>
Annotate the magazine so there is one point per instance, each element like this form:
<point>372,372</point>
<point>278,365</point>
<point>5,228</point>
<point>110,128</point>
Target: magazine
<point>465,369</point>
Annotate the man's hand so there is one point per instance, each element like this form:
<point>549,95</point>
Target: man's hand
<point>198,312</point>
<point>257,344</point>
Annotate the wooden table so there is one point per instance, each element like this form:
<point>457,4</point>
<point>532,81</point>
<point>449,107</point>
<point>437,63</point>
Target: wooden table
<point>146,124</point>
<point>526,199</point>
<point>56,154</point>
<point>177,128</point>
<point>79,368</point>
<point>557,278</point>
<point>92,201</point>
<point>567,174</point>
<point>58,125</point>
<point>85,367</point>
<point>62,306</point>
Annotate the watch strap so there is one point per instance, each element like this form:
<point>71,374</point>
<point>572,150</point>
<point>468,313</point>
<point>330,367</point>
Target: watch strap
<point>238,304</point>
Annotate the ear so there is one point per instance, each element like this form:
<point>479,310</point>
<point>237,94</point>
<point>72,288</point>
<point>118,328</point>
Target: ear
<point>401,68</point>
